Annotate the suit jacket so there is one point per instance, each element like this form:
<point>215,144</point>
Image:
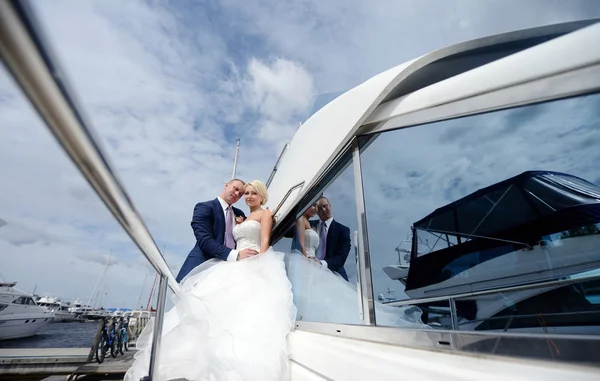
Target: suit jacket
<point>338,247</point>
<point>208,224</point>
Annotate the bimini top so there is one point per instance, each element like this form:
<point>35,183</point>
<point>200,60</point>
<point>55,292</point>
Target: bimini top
<point>509,218</point>
<point>512,202</point>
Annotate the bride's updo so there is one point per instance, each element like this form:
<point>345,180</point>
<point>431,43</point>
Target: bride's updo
<point>261,189</point>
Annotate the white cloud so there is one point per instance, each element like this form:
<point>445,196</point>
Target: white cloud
<point>279,90</point>
<point>169,88</point>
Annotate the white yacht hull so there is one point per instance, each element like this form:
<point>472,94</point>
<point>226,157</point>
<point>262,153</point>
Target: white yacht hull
<point>322,357</point>
<point>16,327</point>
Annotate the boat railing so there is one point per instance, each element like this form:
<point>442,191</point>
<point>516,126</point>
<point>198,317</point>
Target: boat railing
<point>27,55</point>
<point>512,317</point>
<point>501,290</point>
<point>276,167</point>
<point>286,196</point>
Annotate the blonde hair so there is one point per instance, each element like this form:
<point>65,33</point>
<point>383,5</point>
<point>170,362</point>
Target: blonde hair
<point>261,189</point>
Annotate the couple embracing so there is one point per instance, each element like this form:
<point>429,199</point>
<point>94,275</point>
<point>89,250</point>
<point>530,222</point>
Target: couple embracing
<point>214,220</point>
<point>236,307</point>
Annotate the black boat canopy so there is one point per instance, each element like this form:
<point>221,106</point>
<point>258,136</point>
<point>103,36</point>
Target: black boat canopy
<point>512,202</point>
<point>500,219</point>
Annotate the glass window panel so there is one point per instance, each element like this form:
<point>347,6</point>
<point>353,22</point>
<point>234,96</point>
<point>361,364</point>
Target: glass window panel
<point>497,199</point>
<point>568,309</point>
<point>322,264</point>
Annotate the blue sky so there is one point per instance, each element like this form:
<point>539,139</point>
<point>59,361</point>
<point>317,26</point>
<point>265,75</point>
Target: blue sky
<point>169,86</point>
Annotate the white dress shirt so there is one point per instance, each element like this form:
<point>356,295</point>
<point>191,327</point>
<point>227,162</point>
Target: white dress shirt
<point>232,257</point>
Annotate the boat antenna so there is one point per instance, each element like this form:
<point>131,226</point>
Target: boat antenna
<point>235,159</point>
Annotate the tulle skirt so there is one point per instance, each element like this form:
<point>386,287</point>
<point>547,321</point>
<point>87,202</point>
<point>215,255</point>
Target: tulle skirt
<point>323,296</point>
<point>230,324</point>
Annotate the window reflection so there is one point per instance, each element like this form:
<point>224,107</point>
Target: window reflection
<point>569,309</point>
<point>484,202</point>
<point>321,265</point>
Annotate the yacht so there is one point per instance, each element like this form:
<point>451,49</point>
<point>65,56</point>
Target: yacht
<point>503,269</point>
<point>79,308</point>
<point>20,316</point>
<point>60,309</point>
<point>421,134</point>
<point>541,226</point>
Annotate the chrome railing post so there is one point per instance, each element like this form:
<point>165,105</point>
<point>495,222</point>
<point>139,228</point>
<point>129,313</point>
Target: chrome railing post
<point>366,286</point>
<point>158,326</point>
<point>361,305</point>
<point>453,314</point>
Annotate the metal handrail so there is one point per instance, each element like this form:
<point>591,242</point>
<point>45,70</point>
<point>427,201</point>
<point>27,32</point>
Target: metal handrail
<point>286,196</point>
<point>285,147</point>
<point>34,67</point>
<point>524,316</point>
<point>521,287</point>
<point>32,64</point>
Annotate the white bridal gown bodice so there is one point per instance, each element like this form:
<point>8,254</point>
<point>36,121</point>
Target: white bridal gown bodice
<point>247,235</point>
<point>311,242</point>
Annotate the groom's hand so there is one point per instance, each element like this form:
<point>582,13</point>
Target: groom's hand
<point>246,253</point>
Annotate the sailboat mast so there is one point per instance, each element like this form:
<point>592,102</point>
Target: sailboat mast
<point>151,292</point>
<point>235,159</point>
<point>142,291</point>
<point>99,283</point>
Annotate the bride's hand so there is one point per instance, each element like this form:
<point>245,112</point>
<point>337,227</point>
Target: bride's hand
<point>239,219</point>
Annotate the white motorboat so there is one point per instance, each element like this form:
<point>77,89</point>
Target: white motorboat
<point>60,309</point>
<point>79,308</point>
<point>20,316</point>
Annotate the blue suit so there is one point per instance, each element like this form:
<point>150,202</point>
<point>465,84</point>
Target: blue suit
<point>208,224</point>
<point>338,247</point>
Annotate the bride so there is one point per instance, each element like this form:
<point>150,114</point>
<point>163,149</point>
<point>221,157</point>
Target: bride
<point>232,320</point>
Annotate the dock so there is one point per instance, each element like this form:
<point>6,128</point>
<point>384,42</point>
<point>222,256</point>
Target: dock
<point>59,364</point>
<point>54,364</point>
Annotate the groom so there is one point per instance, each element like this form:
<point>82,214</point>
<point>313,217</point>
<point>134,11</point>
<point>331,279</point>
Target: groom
<point>334,239</point>
<point>213,223</point>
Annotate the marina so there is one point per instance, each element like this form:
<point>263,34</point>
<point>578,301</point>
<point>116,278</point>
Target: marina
<point>496,276</point>
<point>66,351</point>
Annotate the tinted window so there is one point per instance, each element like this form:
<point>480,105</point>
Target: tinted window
<point>321,264</point>
<point>486,201</point>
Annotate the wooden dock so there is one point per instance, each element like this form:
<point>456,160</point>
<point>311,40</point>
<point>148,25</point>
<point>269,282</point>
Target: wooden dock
<point>54,364</point>
<point>60,364</point>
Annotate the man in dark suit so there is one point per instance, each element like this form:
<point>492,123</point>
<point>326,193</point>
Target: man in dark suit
<point>213,223</point>
<point>334,239</point>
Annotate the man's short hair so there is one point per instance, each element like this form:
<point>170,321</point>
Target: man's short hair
<point>324,198</point>
<point>241,181</point>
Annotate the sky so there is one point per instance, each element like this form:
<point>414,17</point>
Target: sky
<point>168,87</point>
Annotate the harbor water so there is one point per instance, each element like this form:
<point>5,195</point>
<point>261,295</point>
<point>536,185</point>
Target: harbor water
<point>58,335</point>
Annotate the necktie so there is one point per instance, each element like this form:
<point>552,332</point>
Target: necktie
<point>322,241</point>
<point>229,241</point>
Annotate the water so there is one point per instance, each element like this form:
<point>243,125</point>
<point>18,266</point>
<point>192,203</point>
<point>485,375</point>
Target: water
<point>57,335</point>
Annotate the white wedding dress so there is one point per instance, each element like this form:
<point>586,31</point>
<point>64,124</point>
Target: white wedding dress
<point>230,324</point>
<point>323,296</point>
